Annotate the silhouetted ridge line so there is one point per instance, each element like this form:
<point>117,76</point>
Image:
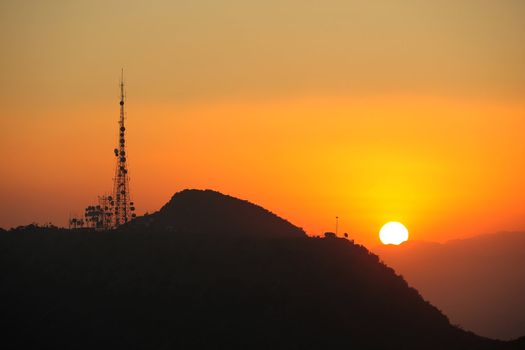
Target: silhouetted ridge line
<point>211,212</point>
<point>151,285</point>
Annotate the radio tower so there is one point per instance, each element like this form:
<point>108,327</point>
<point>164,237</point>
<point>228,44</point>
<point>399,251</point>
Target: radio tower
<point>121,201</point>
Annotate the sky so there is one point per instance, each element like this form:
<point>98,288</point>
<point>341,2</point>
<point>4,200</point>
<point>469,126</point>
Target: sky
<point>372,111</point>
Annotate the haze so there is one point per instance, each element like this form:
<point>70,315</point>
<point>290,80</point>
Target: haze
<point>374,111</point>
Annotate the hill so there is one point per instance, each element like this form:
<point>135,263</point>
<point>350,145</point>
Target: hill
<point>210,212</point>
<point>486,273</point>
<point>238,277</point>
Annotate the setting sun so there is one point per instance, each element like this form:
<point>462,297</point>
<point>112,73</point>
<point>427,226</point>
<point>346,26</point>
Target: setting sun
<point>393,233</point>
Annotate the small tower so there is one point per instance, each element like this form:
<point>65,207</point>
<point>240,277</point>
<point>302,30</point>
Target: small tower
<point>121,200</point>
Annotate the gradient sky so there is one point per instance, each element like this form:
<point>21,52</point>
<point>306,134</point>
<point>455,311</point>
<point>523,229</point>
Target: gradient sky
<point>370,110</point>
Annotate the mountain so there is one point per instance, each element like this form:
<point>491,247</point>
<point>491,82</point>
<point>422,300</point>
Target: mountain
<point>211,212</point>
<point>486,275</point>
<point>210,271</point>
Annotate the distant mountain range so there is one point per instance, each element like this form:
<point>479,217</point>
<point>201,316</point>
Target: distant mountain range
<point>479,282</point>
<point>209,271</point>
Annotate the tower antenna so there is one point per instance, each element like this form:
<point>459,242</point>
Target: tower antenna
<point>121,199</point>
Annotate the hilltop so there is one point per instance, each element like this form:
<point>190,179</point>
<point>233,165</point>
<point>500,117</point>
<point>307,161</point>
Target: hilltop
<point>211,271</point>
<point>213,213</point>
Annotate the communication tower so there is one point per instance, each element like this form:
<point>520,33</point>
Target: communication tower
<point>120,201</point>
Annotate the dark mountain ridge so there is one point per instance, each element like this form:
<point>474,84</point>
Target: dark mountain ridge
<point>211,212</point>
<point>487,273</point>
<point>187,277</point>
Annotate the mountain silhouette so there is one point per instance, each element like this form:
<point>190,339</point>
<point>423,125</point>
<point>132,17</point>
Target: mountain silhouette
<point>211,212</point>
<point>210,271</point>
<point>486,273</point>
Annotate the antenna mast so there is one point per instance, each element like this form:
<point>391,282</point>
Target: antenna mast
<point>121,200</point>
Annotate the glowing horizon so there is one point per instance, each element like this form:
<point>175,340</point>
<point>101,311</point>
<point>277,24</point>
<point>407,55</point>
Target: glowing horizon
<point>371,112</point>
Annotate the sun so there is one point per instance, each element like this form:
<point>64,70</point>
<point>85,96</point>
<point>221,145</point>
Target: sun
<point>393,232</point>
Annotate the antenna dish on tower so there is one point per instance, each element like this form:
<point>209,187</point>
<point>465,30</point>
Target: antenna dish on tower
<point>121,194</point>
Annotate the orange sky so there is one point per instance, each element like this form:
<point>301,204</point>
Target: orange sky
<point>372,111</point>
